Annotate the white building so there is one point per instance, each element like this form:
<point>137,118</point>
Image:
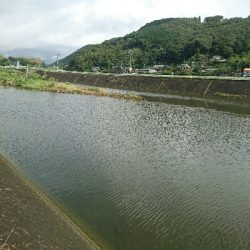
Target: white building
<point>246,72</point>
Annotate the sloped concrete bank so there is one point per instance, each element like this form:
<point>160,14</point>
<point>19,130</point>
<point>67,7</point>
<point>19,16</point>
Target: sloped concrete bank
<point>229,89</point>
<point>29,220</point>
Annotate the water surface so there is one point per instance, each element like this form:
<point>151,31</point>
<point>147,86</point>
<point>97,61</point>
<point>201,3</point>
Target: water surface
<point>136,175</point>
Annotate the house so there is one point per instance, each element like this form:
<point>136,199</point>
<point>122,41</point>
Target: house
<point>246,72</point>
<point>146,71</point>
<point>158,67</point>
<point>117,70</point>
<point>127,70</point>
<point>218,58</point>
<point>152,71</point>
<point>95,69</point>
<point>185,67</point>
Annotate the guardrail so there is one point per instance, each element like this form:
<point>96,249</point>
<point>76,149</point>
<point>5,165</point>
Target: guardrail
<point>135,74</point>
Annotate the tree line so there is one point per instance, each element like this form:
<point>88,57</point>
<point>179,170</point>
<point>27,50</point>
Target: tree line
<point>170,41</point>
<point>23,61</point>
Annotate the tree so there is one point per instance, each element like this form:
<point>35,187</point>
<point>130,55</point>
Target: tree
<point>4,61</point>
<point>213,19</point>
<point>239,62</point>
<point>168,41</point>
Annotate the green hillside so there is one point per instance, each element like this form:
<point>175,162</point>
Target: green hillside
<point>170,41</point>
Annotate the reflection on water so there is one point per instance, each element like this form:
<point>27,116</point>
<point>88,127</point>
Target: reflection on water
<point>139,175</point>
<point>225,104</point>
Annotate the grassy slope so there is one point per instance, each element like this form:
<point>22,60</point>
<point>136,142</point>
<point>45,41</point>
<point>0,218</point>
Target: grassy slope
<point>32,81</point>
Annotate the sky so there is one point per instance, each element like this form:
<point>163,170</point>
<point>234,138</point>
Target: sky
<point>75,23</point>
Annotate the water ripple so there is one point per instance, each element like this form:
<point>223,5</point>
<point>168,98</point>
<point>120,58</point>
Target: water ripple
<point>140,175</point>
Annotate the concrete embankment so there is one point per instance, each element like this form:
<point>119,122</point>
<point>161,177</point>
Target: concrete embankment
<point>231,89</point>
<point>29,220</point>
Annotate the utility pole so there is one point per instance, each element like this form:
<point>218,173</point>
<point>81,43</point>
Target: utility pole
<point>130,61</point>
<point>57,60</point>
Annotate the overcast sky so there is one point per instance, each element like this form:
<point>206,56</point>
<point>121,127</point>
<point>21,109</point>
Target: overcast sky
<point>40,23</point>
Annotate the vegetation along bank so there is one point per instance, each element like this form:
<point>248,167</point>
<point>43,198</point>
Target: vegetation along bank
<point>33,81</point>
<point>228,89</point>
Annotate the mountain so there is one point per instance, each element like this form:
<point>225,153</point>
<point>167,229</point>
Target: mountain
<point>167,41</point>
<point>47,54</point>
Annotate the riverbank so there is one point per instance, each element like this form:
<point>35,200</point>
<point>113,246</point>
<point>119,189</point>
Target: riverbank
<point>29,220</point>
<point>33,81</point>
<point>235,90</point>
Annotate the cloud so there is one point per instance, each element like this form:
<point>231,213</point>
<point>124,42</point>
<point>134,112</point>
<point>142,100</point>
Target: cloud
<point>33,23</point>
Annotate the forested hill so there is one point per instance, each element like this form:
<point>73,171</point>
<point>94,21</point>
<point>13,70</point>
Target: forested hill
<point>167,41</point>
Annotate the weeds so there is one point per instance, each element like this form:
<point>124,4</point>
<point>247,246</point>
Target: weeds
<point>5,242</point>
<point>33,81</point>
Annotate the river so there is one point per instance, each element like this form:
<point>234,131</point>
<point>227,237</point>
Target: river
<point>135,175</point>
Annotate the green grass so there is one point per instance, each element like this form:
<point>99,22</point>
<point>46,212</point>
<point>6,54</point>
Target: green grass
<point>226,94</point>
<point>32,81</point>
